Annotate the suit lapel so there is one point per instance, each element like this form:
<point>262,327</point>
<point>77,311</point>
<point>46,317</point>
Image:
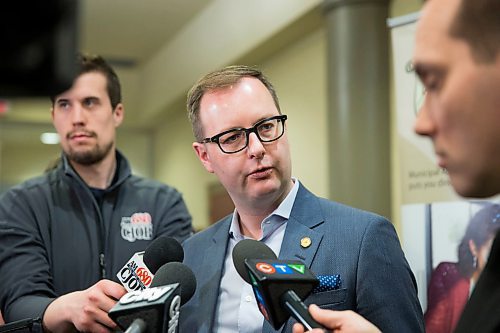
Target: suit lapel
<point>216,253</point>
<point>302,235</point>
<point>301,229</point>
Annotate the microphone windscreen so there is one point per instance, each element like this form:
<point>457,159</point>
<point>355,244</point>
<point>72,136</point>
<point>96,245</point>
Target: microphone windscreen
<point>176,272</point>
<point>162,250</point>
<point>249,249</point>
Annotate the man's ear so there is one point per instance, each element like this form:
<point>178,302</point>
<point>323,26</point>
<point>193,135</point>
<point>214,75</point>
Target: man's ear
<point>118,114</point>
<point>203,156</point>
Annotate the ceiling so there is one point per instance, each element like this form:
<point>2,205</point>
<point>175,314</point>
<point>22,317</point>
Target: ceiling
<point>159,47</point>
<point>129,32</point>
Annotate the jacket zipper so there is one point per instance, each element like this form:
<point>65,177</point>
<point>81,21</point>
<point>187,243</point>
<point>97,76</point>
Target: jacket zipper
<point>100,225</point>
<point>102,263</point>
<point>101,228</point>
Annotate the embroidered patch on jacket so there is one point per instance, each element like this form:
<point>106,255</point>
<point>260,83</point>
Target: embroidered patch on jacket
<point>139,226</point>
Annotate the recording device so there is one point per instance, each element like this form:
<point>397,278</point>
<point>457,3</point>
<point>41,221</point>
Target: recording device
<point>138,272</point>
<point>156,309</point>
<point>279,285</point>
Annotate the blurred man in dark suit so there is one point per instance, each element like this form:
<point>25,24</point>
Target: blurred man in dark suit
<point>457,57</point>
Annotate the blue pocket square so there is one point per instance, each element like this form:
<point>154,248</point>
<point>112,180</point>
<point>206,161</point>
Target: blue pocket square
<point>327,283</point>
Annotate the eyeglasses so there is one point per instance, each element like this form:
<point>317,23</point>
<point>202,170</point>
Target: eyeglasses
<point>418,89</point>
<point>236,139</point>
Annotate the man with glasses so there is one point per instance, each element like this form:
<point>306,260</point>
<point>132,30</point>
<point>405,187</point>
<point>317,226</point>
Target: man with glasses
<point>241,137</point>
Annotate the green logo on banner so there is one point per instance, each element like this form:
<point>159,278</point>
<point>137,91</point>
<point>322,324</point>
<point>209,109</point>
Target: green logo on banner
<point>299,268</point>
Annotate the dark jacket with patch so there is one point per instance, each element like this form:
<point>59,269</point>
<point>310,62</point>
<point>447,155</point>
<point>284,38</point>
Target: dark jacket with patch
<point>56,238</point>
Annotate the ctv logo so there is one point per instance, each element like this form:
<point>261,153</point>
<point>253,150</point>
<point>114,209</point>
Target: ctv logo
<point>174,312</point>
<point>279,268</point>
<point>265,268</point>
<point>148,295</point>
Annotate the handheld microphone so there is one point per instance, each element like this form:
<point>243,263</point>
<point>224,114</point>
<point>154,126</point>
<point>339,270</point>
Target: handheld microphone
<point>162,250</point>
<point>138,272</point>
<point>156,309</point>
<point>279,285</point>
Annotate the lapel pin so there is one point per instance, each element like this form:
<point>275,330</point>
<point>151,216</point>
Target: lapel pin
<point>305,242</point>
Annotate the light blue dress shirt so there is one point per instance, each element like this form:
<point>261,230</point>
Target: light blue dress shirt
<point>237,309</point>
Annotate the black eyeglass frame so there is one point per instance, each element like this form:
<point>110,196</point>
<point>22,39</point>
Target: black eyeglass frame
<point>253,129</point>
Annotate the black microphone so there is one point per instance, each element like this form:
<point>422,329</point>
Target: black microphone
<point>162,250</point>
<point>279,285</point>
<point>138,272</point>
<point>176,272</point>
<point>156,309</point>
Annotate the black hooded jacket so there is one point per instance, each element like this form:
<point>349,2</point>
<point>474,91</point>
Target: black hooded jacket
<point>56,238</point>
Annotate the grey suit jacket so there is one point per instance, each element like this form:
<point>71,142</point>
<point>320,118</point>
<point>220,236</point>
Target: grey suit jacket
<point>362,247</point>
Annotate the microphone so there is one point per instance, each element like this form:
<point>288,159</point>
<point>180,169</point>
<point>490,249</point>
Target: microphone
<point>279,285</point>
<point>156,309</point>
<point>138,272</point>
<point>162,250</point>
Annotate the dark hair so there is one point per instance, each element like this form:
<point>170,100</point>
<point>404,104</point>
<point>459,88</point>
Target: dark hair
<point>94,63</point>
<point>478,23</point>
<point>218,80</point>
<point>482,226</point>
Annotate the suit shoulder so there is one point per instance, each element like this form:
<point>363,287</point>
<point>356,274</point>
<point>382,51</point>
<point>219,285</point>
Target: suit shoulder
<point>332,209</point>
<point>205,236</point>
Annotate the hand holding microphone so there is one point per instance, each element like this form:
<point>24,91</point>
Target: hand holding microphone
<point>279,285</point>
<point>156,309</point>
<point>85,310</point>
<point>346,321</point>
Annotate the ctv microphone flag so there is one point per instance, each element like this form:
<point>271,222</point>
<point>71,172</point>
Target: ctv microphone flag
<point>135,275</point>
<point>276,284</point>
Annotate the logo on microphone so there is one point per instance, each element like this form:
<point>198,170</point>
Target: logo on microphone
<point>148,295</point>
<point>265,268</point>
<point>298,267</point>
<point>174,314</point>
<point>135,275</point>
<point>139,226</point>
<point>283,269</point>
<point>258,297</point>
<point>280,268</point>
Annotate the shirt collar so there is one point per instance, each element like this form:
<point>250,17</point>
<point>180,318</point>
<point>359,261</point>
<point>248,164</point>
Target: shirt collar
<point>122,171</point>
<point>274,220</point>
